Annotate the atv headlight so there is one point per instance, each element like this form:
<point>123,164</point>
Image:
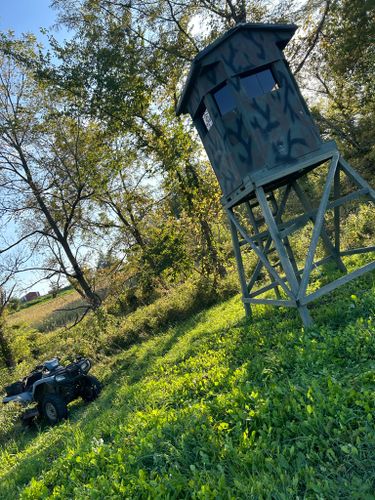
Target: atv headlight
<point>85,366</point>
<point>60,378</point>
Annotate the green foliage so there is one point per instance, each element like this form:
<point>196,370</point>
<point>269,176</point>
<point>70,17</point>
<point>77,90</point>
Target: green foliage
<point>217,407</point>
<point>359,227</point>
<point>9,417</point>
<point>345,64</point>
<point>14,305</point>
<point>165,253</point>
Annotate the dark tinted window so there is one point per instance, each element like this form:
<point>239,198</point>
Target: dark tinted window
<point>252,86</point>
<point>225,99</point>
<point>267,81</point>
<point>259,83</point>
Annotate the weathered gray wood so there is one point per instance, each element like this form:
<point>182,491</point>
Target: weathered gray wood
<point>254,223</point>
<point>284,258</point>
<point>317,227</point>
<point>305,316</point>
<point>271,223</point>
<point>354,251</point>
<point>240,267</point>
<point>327,151</point>
<point>347,198</point>
<point>358,179</point>
<point>288,248</point>
<point>271,302</point>
<point>320,262</point>
<point>258,253</point>
<point>280,211</point>
<point>339,282</point>
<point>336,210</point>
<point>258,266</point>
<point>293,225</point>
<point>290,226</point>
<point>264,289</point>
<point>323,234</point>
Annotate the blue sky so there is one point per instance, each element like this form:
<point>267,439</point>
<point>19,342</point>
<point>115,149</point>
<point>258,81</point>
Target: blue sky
<point>27,16</point>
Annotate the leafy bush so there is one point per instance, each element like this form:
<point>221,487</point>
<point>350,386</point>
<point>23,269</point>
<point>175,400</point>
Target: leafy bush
<point>359,227</point>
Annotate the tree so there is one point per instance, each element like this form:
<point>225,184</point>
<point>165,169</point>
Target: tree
<point>160,38</point>
<point>341,70</point>
<point>55,287</point>
<point>158,138</point>
<point>47,164</point>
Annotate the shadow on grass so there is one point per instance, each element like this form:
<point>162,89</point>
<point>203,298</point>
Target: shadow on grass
<point>276,326</point>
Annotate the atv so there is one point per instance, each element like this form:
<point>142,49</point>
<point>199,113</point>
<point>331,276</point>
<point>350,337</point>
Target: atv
<point>52,386</point>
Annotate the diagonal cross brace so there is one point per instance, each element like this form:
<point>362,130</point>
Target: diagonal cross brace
<point>263,247</point>
<point>318,227</point>
<point>356,178</point>
<point>280,247</point>
<point>259,253</point>
<point>279,214</point>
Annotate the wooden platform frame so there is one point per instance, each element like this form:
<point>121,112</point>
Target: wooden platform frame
<point>293,281</point>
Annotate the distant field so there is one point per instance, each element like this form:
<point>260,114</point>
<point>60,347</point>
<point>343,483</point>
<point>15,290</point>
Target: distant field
<point>43,312</point>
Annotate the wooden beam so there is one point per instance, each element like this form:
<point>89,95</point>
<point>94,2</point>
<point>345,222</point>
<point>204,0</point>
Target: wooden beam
<point>339,282</point>
<point>271,302</point>
<point>317,228</point>
<point>354,251</point>
<point>258,252</point>
<point>358,179</point>
<point>240,268</point>
<point>330,248</point>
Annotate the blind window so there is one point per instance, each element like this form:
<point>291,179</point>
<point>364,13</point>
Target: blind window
<point>225,99</point>
<point>259,83</point>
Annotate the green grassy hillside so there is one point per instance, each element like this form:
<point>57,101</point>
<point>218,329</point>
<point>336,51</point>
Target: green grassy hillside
<point>219,407</point>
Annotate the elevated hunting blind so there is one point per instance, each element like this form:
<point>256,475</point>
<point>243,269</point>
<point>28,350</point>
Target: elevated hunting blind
<point>261,140</point>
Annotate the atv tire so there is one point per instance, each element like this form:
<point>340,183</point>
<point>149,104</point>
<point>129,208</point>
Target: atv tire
<point>54,409</point>
<point>91,388</point>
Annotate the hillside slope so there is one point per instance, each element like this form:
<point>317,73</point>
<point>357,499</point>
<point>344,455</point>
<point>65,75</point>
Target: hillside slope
<point>46,311</point>
<point>218,407</point>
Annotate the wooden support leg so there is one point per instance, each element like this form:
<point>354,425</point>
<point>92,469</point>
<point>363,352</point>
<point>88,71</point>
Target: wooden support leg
<point>336,210</point>
<point>241,230</point>
<point>319,220</point>
<point>240,268</point>
<point>285,240</point>
<point>284,258</point>
<point>268,244</point>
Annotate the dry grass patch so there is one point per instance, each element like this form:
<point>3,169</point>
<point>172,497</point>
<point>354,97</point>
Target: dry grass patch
<point>35,315</point>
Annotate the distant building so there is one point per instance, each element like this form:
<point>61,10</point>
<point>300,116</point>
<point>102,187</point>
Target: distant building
<point>30,296</point>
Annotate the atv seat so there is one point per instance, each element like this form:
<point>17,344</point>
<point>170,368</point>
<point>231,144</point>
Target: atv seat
<point>15,388</point>
<point>31,379</point>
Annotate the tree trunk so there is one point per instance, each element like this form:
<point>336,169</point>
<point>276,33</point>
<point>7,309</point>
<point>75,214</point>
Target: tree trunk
<point>215,259</point>
<point>92,297</point>
<point>5,349</point>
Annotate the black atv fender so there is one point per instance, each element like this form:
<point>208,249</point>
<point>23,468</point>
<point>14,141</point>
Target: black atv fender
<point>43,387</point>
